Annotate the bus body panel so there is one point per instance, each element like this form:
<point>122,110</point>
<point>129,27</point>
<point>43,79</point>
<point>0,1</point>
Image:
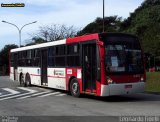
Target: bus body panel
<point>98,88</point>
<point>34,73</point>
<point>11,73</point>
<point>60,78</point>
<point>57,78</point>
<point>73,73</point>
<point>82,38</point>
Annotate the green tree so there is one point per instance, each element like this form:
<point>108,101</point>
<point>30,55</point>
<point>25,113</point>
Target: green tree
<point>36,40</point>
<point>145,23</point>
<point>112,24</point>
<point>52,32</point>
<point>4,55</point>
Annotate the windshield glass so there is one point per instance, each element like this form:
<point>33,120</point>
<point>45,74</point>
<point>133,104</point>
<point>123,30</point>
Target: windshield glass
<point>123,54</point>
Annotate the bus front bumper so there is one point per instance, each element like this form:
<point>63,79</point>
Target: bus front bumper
<point>122,89</point>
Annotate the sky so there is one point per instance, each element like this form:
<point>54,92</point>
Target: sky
<point>78,13</point>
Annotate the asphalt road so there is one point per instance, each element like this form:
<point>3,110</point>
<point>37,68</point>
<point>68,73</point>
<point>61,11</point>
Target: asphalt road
<point>35,102</point>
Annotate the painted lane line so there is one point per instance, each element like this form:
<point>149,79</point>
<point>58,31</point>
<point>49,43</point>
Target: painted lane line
<point>10,97</point>
<point>6,95</point>
<point>34,95</point>
<point>60,95</point>
<point>11,91</point>
<point>49,94</point>
<point>26,89</point>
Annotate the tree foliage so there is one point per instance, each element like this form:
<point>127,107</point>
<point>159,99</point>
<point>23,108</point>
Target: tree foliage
<point>144,22</point>
<point>52,33</point>
<point>112,24</point>
<point>36,40</point>
<point>4,53</point>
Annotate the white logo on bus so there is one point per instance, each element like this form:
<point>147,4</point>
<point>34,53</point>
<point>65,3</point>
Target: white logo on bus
<point>69,71</point>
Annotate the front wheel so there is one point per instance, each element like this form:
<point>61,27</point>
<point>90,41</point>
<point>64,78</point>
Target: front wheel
<point>27,81</point>
<point>75,88</point>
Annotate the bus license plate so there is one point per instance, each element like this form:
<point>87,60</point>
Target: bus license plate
<point>128,86</point>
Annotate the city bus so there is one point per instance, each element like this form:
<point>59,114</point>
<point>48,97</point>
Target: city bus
<point>100,64</point>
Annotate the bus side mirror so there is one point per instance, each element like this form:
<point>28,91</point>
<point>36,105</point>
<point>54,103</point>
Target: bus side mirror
<point>100,43</point>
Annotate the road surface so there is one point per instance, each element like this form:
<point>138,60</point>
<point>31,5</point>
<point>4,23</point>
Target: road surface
<point>36,101</point>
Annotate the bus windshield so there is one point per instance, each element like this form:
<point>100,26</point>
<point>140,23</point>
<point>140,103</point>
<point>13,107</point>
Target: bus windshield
<point>123,54</point>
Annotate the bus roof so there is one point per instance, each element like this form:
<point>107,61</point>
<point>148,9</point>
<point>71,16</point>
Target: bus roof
<point>59,42</point>
<point>67,41</point>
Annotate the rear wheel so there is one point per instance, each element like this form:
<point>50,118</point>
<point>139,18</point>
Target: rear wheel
<point>22,83</point>
<point>75,88</point>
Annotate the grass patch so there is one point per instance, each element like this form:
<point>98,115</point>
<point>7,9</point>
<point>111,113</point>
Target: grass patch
<point>153,82</point>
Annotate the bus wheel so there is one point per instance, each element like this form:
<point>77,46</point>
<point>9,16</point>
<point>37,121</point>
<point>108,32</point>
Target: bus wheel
<point>74,88</point>
<point>22,83</point>
<point>27,81</point>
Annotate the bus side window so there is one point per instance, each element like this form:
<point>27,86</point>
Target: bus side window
<point>73,58</point>
<point>37,58</point>
<point>51,54</point>
<point>60,57</point>
<point>12,59</point>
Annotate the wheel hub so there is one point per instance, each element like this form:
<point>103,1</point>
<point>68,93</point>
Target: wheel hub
<point>75,87</point>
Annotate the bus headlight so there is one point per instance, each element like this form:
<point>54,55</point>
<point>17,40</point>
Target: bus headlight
<point>109,80</point>
<point>142,79</point>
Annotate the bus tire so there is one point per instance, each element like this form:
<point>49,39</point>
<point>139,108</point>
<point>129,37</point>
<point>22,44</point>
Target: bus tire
<point>75,88</point>
<point>27,81</point>
<point>22,83</point>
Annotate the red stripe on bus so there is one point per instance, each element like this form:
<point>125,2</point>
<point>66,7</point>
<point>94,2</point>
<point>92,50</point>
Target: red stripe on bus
<point>48,76</point>
<point>56,77</point>
<point>35,75</point>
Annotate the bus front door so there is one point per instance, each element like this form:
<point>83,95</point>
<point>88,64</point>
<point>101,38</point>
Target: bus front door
<point>44,64</point>
<point>89,67</point>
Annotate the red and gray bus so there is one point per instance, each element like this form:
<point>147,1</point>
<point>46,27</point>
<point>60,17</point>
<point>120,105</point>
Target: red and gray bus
<point>100,64</point>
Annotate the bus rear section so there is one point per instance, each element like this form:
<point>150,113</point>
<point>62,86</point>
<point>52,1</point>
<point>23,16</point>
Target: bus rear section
<point>123,65</point>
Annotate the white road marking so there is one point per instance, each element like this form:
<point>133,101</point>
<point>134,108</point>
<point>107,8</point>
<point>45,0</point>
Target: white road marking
<point>16,96</point>
<point>26,89</point>
<point>60,94</point>
<point>34,95</point>
<point>30,93</point>
<point>6,95</point>
<point>49,94</point>
<point>11,90</point>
